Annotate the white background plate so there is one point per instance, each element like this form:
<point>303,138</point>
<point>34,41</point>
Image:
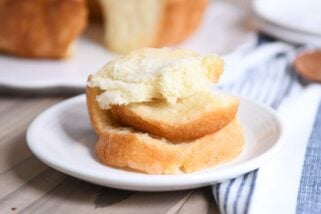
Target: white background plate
<point>90,55</point>
<point>295,37</point>
<point>62,137</point>
<point>300,15</point>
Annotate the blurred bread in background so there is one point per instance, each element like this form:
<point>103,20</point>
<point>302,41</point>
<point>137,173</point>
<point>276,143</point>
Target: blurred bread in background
<point>132,24</point>
<point>47,28</point>
<point>95,13</point>
<point>40,28</point>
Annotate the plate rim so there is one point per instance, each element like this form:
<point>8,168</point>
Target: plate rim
<point>257,9</point>
<point>163,182</point>
<point>52,84</point>
<point>42,85</point>
<point>287,35</point>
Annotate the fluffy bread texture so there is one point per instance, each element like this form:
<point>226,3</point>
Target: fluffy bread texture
<point>147,74</point>
<point>133,24</point>
<point>40,28</point>
<point>122,146</point>
<point>189,118</point>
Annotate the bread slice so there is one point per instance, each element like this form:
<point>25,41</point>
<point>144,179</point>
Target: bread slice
<point>132,24</point>
<point>190,118</point>
<point>125,147</point>
<point>40,28</point>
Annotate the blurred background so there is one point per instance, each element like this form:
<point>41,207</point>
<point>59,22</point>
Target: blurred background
<point>54,44</point>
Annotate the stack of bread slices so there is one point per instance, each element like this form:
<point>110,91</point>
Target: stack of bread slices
<point>154,112</point>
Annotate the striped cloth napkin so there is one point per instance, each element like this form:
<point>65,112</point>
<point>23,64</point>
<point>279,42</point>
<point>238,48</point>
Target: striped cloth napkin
<point>291,181</point>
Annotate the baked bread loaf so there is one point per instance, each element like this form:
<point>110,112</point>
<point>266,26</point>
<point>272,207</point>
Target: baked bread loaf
<point>132,24</point>
<point>154,111</point>
<point>122,146</point>
<point>189,118</point>
<point>40,28</point>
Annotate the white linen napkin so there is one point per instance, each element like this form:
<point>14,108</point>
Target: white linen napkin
<point>282,185</point>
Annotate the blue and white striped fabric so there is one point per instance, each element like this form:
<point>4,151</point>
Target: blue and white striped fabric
<point>290,183</point>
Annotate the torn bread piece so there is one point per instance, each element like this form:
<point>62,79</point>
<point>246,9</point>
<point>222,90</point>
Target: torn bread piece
<point>148,74</point>
<point>121,146</point>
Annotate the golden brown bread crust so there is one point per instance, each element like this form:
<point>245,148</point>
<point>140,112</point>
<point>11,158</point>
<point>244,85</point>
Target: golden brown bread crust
<point>207,123</point>
<point>119,146</point>
<point>179,20</point>
<point>40,28</point>
<point>156,157</point>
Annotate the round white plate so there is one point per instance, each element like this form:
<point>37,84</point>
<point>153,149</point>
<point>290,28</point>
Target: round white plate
<point>62,137</point>
<point>90,55</point>
<point>23,73</point>
<point>299,15</point>
<point>287,35</point>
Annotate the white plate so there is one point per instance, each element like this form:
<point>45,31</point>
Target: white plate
<point>23,73</point>
<point>299,15</point>
<point>89,55</point>
<point>287,35</point>
<point>62,137</point>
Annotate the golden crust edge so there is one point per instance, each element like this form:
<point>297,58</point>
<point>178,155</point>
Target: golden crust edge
<point>154,156</point>
<point>209,122</point>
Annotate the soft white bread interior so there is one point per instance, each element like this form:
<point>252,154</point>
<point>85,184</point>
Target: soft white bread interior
<point>130,25</point>
<point>133,24</point>
<point>189,118</point>
<point>148,74</point>
<point>122,146</point>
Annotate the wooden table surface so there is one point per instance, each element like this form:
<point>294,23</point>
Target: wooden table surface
<point>29,186</point>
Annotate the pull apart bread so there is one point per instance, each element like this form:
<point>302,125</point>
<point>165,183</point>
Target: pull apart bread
<point>132,24</point>
<point>40,28</point>
<point>154,112</point>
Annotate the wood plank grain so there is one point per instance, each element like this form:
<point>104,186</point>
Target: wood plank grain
<point>19,169</point>
<point>180,203</point>
<point>19,115</point>
<point>200,201</point>
<point>83,197</point>
<point>31,191</point>
<point>13,126</point>
<point>6,105</point>
<point>70,196</point>
<point>148,202</point>
<point>17,176</point>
